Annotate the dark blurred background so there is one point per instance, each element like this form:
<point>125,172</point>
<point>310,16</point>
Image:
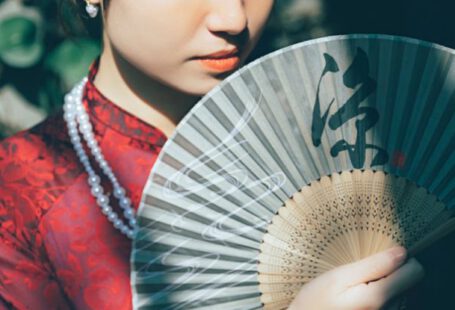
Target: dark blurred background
<point>46,48</point>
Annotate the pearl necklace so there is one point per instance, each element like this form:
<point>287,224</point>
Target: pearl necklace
<point>74,114</point>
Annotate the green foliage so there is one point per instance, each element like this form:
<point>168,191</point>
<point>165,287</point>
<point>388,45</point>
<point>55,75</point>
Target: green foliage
<point>70,59</point>
<point>37,56</point>
<point>18,46</point>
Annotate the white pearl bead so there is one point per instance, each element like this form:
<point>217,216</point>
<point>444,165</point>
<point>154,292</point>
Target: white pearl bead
<point>103,199</point>
<point>69,106</point>
<point>73,132</point>
<point>103,164</point>
<point>119,192</point>
<point>97,190</point>
<point>98,157</point>
<point>112,216</point>
<point>133,222</point>
<point>124,229</point>
<point>80,153</point>
<point>75,139</point>
<point>94,180</point>
<point>125,202</point>
<point>68,116</point>
<point>85,161</point>
<point>71,124</point>
<point>130,234</point>
<point>84,117</point>
<point>79,108</point>
<point>89,136</point>
<point>128,213</point>
<point>96,152</point>
<point>91,144</point>
<point>106,209</point>
<point>117,223</point>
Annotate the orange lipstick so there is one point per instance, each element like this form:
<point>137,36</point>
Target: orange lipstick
<point>221,61</point>
<point>221,64</point>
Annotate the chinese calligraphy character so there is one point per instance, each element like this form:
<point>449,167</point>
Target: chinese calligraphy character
<point>357,75</point>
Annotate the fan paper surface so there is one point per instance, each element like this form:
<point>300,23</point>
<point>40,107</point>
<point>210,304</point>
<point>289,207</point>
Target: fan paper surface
<point>313,156</point>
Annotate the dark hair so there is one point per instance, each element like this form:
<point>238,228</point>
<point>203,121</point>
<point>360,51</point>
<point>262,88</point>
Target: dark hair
<point>75,21</point>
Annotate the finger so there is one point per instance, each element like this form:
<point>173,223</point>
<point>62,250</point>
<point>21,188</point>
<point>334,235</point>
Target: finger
<point>376,294</point>
<point>373,267</point>
<point>398,281</point>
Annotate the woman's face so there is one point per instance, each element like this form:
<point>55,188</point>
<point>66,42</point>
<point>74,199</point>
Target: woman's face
<point>163,37</point>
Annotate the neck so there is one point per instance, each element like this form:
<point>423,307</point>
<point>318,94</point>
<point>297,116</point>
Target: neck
<point>133,91</point>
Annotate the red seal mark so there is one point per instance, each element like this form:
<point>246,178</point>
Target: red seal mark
<point>398,159</point>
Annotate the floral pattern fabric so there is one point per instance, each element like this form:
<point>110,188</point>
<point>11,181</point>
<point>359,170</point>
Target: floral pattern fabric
<point>57,249</point>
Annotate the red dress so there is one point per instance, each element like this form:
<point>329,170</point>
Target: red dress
<point>57,249</point>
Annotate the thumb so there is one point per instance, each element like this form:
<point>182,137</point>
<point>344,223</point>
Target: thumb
<point>375,266</point>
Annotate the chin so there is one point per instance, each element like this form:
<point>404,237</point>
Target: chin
<point>202,88</point>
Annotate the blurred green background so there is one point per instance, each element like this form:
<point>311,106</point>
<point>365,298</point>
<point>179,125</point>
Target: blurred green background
<point>46,48</point>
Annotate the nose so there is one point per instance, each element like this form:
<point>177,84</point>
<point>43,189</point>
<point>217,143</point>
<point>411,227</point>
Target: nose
<point>227,16</point>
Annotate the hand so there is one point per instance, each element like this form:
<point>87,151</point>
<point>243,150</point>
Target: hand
<point>367,284</point>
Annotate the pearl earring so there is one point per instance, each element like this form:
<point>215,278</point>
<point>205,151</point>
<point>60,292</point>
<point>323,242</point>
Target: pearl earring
<point>91,9</point>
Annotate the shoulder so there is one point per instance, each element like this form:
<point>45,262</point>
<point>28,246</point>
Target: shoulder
<point>36,166</point>
<point>34,155</point>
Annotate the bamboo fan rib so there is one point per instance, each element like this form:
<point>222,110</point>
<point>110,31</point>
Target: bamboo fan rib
<point>338,220</point>
<point>313,156</point>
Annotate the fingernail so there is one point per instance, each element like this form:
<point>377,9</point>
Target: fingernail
<point>399,253</point>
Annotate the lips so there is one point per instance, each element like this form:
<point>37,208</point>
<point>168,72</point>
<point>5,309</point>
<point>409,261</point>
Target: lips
<point>221,64</point>
<point>221,61</point>
<point>222,54</point>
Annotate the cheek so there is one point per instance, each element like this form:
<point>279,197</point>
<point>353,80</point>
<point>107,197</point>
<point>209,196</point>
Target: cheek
<point>144,29</point>
<point>141,40</point>
<point>258,12</point>
<point>159,46</point>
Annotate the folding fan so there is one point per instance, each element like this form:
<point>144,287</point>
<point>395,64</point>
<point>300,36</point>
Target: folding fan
<point>314,156</point>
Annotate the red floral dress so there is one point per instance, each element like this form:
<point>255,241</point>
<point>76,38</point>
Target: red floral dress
<point>57,249</point>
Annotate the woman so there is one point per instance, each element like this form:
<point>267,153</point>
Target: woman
<point>59,249</point>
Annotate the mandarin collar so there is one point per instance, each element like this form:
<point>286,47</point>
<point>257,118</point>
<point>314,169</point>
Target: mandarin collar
<point>103,110</point>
